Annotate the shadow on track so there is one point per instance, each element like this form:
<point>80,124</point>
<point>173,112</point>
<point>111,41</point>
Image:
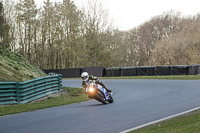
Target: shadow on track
<point>94,105</point>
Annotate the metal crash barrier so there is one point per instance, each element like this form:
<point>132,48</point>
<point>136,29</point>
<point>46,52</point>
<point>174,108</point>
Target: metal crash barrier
<point>27,91</point>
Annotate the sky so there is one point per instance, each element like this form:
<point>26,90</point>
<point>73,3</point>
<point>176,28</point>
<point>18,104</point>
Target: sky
<point>127,14</point>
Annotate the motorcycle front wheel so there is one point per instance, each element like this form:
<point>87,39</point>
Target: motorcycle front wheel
<point>111,100</point>
<point>100,98</point>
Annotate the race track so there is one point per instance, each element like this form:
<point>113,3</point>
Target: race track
<point>136,102</point>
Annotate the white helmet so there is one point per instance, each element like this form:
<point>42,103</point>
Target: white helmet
<point>85,76</point>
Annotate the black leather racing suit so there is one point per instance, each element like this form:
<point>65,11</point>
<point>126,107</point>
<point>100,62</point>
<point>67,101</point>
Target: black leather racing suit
<point>91,77</point>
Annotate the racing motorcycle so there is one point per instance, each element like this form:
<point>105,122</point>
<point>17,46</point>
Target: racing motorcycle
<point>97,92</point>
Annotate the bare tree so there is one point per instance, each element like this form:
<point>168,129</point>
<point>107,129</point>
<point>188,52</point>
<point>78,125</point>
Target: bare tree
<point>180,48</point>
<point>4,29</point>
<point>154,30</point>
<point>96,29</point>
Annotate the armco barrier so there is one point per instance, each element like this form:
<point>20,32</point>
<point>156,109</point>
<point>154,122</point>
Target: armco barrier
<point>23,92</point>
<point>8,93</point>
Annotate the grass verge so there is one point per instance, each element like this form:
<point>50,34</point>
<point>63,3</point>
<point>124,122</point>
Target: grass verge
<point>189,123</point>
<point>68,96</point>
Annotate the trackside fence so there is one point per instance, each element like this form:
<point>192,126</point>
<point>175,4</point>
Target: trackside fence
<point>129,71</point>
<point>27,91</point>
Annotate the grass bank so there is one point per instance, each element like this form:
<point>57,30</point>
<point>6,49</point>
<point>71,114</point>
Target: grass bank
<point>189,123</point>
<point>15,68</point>
<point>68,96</point>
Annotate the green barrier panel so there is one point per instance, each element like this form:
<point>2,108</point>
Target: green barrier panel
<point>8,93</point>
<point>23,92</point>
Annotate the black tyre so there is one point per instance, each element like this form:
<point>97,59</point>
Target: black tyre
<point>100,98</point>
<point>111,100</point>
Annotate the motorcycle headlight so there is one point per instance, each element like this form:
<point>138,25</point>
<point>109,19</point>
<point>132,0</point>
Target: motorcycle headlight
<point>91,89</point>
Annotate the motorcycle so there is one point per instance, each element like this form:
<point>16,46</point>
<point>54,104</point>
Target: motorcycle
<point>97,92</point>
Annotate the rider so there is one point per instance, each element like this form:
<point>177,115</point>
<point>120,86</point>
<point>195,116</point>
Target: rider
<point>86,77</point>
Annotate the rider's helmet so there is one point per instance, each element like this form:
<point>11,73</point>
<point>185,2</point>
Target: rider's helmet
<point>85,76</point>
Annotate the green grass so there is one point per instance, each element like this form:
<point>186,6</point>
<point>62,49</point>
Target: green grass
<point>189,123</point>
<point>68,96</point>
<point>15,68</point>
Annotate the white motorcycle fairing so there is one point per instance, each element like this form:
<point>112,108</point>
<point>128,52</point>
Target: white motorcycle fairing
<point>96,91</point>
<point>99,87</point>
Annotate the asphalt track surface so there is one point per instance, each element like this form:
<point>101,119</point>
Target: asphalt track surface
<point>136,102</point>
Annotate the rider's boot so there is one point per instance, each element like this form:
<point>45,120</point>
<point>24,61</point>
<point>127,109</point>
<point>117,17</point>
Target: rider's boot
<point>109,91</point>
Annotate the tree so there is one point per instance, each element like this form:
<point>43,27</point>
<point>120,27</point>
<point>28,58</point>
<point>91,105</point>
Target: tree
<point>96,30</point>
<point>26,19</point>
<point>70,32</point>
<point>60,35</point>
<point>1,23</point>
<point>180,48</point>
<point>4,29</point>
<point>154,30</point>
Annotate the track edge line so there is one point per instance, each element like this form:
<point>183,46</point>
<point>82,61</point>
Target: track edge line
<point>157,121</point>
